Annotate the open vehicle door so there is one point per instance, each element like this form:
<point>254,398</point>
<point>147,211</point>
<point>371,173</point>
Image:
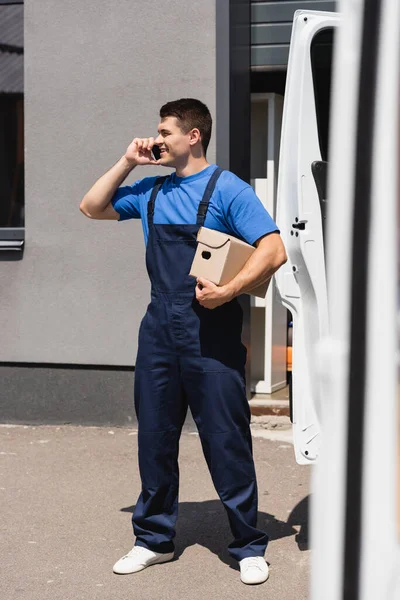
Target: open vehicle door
<point>301,213</point>
<point>355,511</point>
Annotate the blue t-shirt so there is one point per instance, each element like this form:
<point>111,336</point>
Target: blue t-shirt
<point>234,208</point>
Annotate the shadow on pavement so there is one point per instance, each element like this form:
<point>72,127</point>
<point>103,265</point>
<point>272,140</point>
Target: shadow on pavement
<point>299,517</point>
<point>206,523</point>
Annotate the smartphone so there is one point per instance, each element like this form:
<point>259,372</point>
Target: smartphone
<point>156,152</point>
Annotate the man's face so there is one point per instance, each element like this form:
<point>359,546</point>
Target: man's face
<point>174,144</point>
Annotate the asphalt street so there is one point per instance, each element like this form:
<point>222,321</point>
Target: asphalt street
<point>67,495</point>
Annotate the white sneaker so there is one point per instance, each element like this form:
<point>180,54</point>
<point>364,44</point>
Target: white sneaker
<point>253,569</point>
<point>138,559</point>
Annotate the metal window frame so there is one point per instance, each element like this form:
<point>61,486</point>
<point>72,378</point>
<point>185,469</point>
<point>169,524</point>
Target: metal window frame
<point>12,239</point>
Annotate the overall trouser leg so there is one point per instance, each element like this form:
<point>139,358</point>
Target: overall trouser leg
<point>221,411</point>
<point>161,413</point>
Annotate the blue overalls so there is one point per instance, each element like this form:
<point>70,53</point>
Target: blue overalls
<point>191,356</point>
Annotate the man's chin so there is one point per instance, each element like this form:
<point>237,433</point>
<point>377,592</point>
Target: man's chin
<point>165,161</point>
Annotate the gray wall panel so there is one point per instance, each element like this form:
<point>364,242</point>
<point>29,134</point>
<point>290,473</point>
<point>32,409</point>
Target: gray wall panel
<point>272,27</point>
<point>233,85</point>
<point>96,74</point>
<point>274,12</point>
<point>270,33</point>
<point>269,55</point>
<point>233,105</point>
<point>55,395</point>
<point>47,394</point>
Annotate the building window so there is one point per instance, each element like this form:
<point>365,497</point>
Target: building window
<point>321,61</point>
<point>11,115</point>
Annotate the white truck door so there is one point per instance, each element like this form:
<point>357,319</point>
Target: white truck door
<point>301,204</point>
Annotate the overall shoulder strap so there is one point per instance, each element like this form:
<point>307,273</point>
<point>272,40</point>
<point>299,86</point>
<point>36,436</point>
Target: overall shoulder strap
<point>203,206</point>
<point>151,203</point>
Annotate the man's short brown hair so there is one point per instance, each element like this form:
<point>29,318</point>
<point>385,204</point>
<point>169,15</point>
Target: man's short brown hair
<point>190,113</point>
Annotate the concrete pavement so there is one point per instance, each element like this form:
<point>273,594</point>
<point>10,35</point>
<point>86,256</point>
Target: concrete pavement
<point>67,495</point>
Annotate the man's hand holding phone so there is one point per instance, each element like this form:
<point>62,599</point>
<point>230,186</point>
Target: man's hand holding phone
<point>142,151</point>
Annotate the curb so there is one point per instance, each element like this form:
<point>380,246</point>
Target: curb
<point>268,407</point>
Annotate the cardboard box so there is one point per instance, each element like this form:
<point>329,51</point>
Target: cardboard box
<point>220,257</point>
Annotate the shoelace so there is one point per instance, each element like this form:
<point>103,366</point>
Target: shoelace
<point>253,561</point>
<point>135,550</point>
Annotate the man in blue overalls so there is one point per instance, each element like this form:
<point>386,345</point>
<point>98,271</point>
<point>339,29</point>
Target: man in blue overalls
<point>190,351</point>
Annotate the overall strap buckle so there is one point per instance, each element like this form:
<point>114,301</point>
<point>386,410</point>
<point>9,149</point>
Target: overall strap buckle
<point>203,206</point>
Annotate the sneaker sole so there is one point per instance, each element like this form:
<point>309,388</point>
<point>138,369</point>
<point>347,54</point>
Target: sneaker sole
<point>254,582</point>
<point>155,561</point>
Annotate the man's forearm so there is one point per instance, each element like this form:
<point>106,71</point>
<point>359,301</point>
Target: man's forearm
<point>259,268</point>
<point>101,193</point>
<point>249,279</point>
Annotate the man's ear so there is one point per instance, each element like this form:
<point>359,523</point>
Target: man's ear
<point>195,136</point>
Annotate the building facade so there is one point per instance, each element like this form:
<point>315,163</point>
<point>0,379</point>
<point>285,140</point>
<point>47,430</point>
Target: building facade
<point>73,291</point>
